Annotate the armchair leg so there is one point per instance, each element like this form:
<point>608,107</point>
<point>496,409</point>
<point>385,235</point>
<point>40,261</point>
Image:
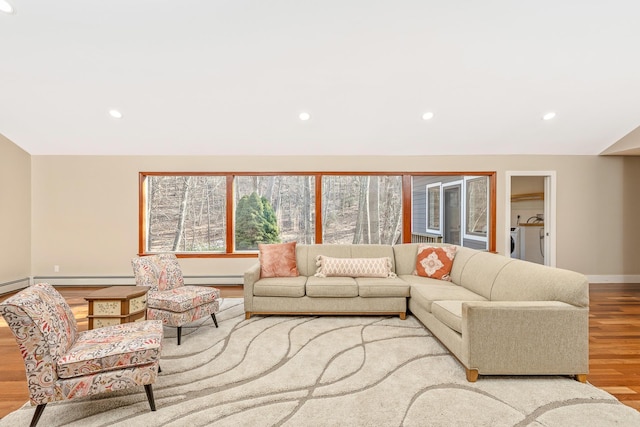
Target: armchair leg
<point>149,390</point>
<point>215,321</point>
<point>179,334</point>
<point>36,414</point>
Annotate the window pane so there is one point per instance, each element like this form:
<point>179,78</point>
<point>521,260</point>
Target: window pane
<point>433,207</point>
<point>272,209</point>
<point>186,213</point>
<point>477,204</point>
<point>361,209</point>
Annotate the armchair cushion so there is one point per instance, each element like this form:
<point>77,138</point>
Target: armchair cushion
<point>159,272</point>
<point>111,348</point>
<point>182,299</point>
<point>146,271</point>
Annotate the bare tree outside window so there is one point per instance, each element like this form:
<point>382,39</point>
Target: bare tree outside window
<point>477,203</point>
<point>186,213</point>
<point>362,209</point>
<point>433,207</point>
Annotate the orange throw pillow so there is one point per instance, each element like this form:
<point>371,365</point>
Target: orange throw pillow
<point>278,260</point>
<point>435,261</point>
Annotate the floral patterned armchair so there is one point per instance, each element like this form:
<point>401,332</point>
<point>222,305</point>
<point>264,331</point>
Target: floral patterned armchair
<point>62,363</point>
<point>169,299</point>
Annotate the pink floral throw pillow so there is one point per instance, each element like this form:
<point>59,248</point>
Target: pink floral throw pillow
<point>435,261</point>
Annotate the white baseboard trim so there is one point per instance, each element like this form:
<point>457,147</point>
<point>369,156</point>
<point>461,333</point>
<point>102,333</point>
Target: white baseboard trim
<point>614,278</point>
<point>129,280</point>
<point>14,285</point>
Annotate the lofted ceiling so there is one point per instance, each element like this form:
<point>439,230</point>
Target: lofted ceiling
<point>230,77</point>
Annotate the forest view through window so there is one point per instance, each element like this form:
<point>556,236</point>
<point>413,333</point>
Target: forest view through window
<point>230,214</point>
<point>362,209</point>
<point>186,213</point>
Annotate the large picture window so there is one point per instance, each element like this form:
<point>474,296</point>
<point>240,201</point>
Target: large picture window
<point>186,213</point>
<point>202,214</point>
<point>273,209</point>
<point>476,207</point>
<point>362,209</point>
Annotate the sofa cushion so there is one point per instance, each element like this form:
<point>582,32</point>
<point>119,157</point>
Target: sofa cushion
<point>373,287</point>
<point>278,260</point>
<point>435,261</point>
<point>449,313</point>
<point>425,291</point>
<point>306,256</point>
<point>463,255</point>
<point>405,258</point>
<point>280,287</point>
<point>373,251</point>
<point>333,287</point>
<point>353,267</point>
<point>480,272</point>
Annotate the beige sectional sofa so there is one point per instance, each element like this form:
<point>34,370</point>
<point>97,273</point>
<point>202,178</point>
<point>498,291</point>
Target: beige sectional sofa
<point>497,315</point>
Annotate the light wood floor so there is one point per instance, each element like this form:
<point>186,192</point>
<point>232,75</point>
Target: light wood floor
<point>614,343</point>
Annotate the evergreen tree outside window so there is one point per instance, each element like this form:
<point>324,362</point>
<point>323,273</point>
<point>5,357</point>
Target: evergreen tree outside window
<point>288,207</point>
<point>255,223</point>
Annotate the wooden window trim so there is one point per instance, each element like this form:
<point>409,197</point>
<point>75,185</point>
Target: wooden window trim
<point>230,205</point>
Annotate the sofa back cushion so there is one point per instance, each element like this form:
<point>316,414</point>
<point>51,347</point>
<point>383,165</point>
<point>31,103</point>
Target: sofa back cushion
<point>405,257</point>
<point>526,281</point>
<point>463,255</point>
<point>480,272</point>
<point>306,254</point>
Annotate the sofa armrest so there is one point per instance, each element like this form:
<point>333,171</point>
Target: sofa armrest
<point>525,337</point>
<point>251,276</point>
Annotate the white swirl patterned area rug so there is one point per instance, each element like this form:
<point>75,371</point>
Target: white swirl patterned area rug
<point>330,371</point>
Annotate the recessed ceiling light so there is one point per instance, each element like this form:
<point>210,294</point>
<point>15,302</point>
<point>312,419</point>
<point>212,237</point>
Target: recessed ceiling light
<point>550,115</point>
<point>6,7</point>
<point>427,116</point>
<point>304,116</point>
<point>115,114</point>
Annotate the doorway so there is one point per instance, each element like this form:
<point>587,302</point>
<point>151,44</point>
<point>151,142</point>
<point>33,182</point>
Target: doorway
<point>536,226</point>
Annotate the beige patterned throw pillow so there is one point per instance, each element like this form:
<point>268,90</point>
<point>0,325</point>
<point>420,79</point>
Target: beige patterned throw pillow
<point>353,267</point>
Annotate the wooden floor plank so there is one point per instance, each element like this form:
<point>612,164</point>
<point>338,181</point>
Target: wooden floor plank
<point>614,343</point>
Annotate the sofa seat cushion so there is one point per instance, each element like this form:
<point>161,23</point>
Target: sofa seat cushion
<point>333,287</point>
<point>280,287</point>
<point>449,313</point>
<point>369,287</point>
<point>183,298</point>
<point>118,346</point>
<point>426,293</point>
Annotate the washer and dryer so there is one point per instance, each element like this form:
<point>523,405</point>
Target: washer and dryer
<point>515,242</point>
